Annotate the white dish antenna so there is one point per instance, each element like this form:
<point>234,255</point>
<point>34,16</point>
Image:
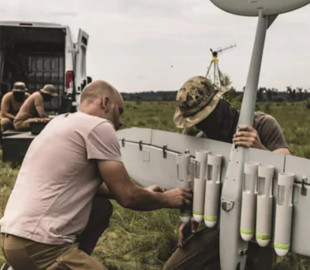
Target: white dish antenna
<point>252,7</point>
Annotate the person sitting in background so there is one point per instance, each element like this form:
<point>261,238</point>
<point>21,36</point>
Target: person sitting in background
<point>200,104</point>
<point>11,104</point>
<point>33,108</point>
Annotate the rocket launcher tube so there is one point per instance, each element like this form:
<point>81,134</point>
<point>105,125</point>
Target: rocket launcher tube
<point>284,211</point>
<point>247,223</point>
<point>199,184</point>
<point>184,180</point>
<point>264,205</point>
<point>212,193</point>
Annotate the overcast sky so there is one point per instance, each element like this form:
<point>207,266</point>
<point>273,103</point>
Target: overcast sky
<point>142,45</point>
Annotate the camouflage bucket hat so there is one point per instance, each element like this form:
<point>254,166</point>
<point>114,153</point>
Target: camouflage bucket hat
<point>19,87</point>
<point>49,89</point>
<point>196,99</point>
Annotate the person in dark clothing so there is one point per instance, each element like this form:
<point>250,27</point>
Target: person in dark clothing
<point>200,104</point>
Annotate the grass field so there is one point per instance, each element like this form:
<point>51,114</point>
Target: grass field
<point>144,240</point>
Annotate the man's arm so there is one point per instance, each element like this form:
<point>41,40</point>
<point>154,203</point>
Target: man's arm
<point>39,106</point>
<point>129,195</point>
<point>284,151</point>
<point>104,190</point>
<point>5,107</point>
<point>248,137</point>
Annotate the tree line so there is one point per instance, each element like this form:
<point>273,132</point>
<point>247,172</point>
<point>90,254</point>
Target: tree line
<point>263,94</point>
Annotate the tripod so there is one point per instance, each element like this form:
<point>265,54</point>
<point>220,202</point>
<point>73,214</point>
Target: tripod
<point>216,71</point>
<point>217,74</point>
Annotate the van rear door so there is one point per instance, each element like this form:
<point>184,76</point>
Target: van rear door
<point>80,64</point>
<point>68,95</point>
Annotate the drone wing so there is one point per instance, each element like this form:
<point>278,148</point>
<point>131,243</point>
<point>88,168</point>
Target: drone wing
<point>150,158</point>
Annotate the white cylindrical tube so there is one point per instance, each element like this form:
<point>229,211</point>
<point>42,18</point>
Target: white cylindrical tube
<point>212,194</point>
<point>247,223</point>
<point>184,180</point>
<point>264,205</point>
<point>284,211</point>
<point>199,184</point>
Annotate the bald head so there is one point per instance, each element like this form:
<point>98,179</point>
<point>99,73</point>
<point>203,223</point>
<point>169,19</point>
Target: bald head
<point>101,99</point>
<point>97,90</point>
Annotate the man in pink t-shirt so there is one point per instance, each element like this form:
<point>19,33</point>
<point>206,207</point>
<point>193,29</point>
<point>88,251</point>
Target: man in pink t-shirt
<point>49,210</point>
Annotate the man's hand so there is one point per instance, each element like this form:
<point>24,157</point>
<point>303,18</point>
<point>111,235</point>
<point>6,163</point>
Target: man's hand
<point>185,230</point>
<point>178,197</point>
<point>42,120</point>
<point>155,188</point>
<point>248,137</point>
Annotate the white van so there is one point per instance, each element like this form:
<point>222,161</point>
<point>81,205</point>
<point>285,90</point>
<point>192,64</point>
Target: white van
<point>44,53</point>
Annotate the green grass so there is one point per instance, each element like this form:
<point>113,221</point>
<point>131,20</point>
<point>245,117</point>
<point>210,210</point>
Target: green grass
<point>138,240</point>
<point>144,240</point>
<point>294,119</point>
<point>156,115</point>
<point>7,180</point>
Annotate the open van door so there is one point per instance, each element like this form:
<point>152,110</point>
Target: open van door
<point>80,64</point>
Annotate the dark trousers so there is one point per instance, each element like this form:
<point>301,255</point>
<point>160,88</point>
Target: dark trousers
<point>99,218</point>
<point>201,252</point>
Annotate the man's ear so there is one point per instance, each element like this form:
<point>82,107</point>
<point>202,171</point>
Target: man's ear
<point>105,102</point>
